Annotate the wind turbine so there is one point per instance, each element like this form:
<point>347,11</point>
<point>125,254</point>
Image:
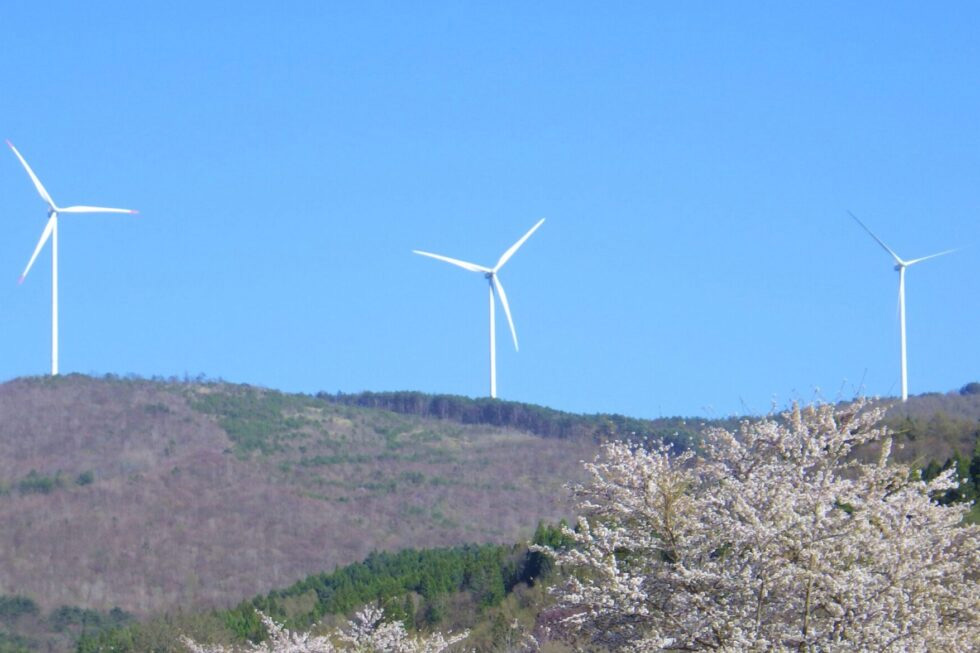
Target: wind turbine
<point>900,266</point>
<point>495,287</point>
<point>51,231</point>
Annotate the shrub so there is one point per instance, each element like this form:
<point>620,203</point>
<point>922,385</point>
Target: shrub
<point>37,483</point>
<point>12,607</point>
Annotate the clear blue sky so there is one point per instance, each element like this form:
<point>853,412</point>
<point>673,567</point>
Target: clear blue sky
<point>694,161</point>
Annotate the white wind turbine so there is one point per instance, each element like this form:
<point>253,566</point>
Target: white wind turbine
<point>51,231</point>
<point>900,266</point>
<point>495,287</point>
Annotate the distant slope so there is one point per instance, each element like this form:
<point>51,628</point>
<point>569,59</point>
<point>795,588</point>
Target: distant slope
<point>460,588</point>
<point>546,422</point>
<point>152,496</point>
<point>962,404</point>
<point>933,426</point>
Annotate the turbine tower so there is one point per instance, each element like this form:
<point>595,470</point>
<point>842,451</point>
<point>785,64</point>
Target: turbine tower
<point>900,266</point>
<point>495,288</point>
<point>51,231</point>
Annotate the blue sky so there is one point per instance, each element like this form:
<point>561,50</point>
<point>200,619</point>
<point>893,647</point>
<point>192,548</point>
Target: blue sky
<point>694,161</point>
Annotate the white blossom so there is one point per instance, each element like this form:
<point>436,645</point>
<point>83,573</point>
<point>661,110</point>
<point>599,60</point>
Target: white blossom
<point>370,634</point>
<point>776,538</point>
<point>367,632</point>
<point>516,639</point>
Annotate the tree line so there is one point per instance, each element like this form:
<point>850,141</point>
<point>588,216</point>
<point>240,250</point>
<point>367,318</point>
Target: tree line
<point>545,422</point>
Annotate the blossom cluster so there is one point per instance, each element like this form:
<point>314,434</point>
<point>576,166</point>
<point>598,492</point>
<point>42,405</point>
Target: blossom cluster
<point>774,537</point>
<point>367,632</point>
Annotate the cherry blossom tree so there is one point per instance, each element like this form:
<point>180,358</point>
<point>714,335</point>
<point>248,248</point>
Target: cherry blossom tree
<point>776,537</point>
<point>367,632</point>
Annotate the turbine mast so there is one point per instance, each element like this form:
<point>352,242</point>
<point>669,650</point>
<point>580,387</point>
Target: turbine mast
<point>901,316</point>
<point>493,347</point>
<point>54,296</point>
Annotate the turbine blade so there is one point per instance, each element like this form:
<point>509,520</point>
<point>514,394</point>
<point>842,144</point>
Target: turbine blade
<point>94,209</point>
<point>888,249</point>
<point>48,228</point>
<point>503,302</point>
<point>513,248</point>
<point>472,267</point>
<point>37,182</point>
<point>926,258</point>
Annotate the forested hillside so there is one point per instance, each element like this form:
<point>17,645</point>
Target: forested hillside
<point>937,426</point>
<point>149,496</point>
<point>932,431</point>
<point>477,588</point>
<point>932,424</point>
<point>121,499</point>
<point>546,422</point>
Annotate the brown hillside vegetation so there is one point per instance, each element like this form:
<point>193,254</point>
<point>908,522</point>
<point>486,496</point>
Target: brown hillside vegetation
<point>933,426</point>
<point>151,495</point>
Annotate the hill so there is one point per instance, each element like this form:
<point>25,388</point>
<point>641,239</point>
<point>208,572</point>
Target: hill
<point>935,426</point>
<point>149,496</point>
<point>481,589</point>
<point>930,426</point>
<point>546,422</point>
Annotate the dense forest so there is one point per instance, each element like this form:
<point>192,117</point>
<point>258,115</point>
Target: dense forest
<point>451,588</point>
